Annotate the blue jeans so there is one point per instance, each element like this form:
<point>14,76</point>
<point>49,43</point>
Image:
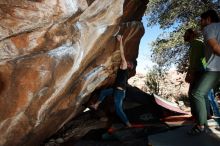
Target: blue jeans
<point>213,103</point>
<point>119,96</point>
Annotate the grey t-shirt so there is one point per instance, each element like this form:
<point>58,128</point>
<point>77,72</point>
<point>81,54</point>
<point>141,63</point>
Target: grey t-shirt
<point>212,31</point>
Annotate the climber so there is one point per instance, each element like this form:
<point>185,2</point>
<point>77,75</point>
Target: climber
<point>119,89</point>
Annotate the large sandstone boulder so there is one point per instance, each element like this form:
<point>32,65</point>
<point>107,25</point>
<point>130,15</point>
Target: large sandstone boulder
<point>53,55</point>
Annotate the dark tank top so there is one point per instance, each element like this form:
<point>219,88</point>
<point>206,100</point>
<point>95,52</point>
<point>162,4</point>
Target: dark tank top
<point>121,79</point>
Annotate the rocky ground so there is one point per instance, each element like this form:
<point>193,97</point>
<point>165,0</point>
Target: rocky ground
<point>90,128</point>
<point>151,121</point>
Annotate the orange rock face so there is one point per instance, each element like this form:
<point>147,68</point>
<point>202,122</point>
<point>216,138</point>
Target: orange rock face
<point>53,55</point>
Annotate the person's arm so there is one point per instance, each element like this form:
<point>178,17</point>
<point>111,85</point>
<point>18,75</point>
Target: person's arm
<point>215,46</point>
<point>210,36</point>
<point>123,64</point>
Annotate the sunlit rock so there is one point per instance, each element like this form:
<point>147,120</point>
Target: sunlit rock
<point>53,55</point>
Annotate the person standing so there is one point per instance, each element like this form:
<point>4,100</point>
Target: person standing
<point>210,78</point>
<point>196,59</point>
<point>197,65</point>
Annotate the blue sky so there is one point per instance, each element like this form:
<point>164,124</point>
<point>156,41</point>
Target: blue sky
<point>144,57</point>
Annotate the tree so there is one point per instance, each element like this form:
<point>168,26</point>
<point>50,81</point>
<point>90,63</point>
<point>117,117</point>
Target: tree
<point>169,48</point>
<point>153,79</point>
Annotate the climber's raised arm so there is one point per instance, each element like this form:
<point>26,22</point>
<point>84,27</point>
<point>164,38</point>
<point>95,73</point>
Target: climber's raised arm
<point>123,64</point>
